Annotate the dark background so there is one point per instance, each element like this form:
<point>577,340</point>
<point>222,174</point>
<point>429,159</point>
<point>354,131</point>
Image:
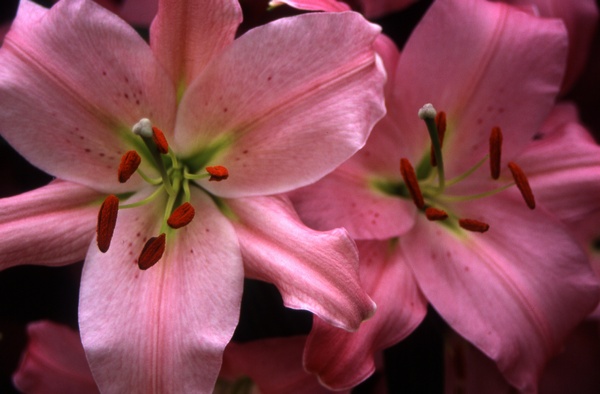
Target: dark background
<point>31,293</point>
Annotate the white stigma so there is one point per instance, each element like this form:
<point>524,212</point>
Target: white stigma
<point>427,112</point>
<point>143,128</point>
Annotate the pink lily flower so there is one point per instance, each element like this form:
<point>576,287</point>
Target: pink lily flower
<point>160,291</point>
<point>53,362</point>
<point>510,279</point>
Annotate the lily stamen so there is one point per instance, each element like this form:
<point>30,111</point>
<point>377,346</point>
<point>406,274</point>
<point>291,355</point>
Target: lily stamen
<point>473,225</point>
<point>107,220</point>
<point>495,152</point>
<point>523,184</point>
<point>152,252</point>
<point>129,164</point>
<point>217,173</point>
<point>410,179</point>
<point>181,216</point>
<point>159,139</point>
<point>440,122</point>
<point>434,214</point>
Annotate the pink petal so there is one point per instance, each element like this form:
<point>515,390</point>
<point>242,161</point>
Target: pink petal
<point>341,359</point>
<point>164,329</point>
<point>313,5</point>
<point>54,362</point>
<point>379,8</point>
<point>74,80</point>
<point>514,292</point>
<point>52,225</point>
<point>484,64</point>
<point>580,18</point>
<point>274,364</point>
<point>187,34</point>
<point>563,168</point>
<point>271,115</point>
<point>316,271</point>
<point>139,12</point>
<point>346,198</point>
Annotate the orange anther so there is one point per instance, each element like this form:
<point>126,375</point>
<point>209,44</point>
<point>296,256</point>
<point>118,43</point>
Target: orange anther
<point>152,252</point>
<point>181,216</point>
<point>435,214</point>
<point>473,225</point>
<point>523,184</point>
<point>495,151</point>
<point>159,139</point>
<point>440,122</point>
<point>129,164</point>
<point>107,220</point>
<point>217,173</point>
<point>410,179</point>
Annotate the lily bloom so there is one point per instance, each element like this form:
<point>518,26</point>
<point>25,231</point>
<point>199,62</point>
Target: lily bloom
<point>167,158</point>
<point>500,268</point>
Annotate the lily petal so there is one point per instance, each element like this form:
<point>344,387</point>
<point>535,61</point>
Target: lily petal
<point>91,77</point>
<point>485,64</point>
<point>272,118</point>
<point>187,34</point>
<point>563,167</point>
<point>515,292</point>
<point>54,362</point>
<point>315,271</point>
<point>313,5</point>
<point>580,18</point>
<point>274,364</point>
<point>163,329</point>
<point>347,199</point>
<point>341,359</point>
<point>52,225</point>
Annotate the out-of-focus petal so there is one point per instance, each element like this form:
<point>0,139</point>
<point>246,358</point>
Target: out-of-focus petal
<point>274,364</point>
<point>272,116</point>
<point>90,78</point>
<point>54,362</point>
<point>138,12</point>
<point>315,271</point>
<point>342,359</point>
<point>163,329</point>
<point>187,34</point>
<point>52,225</point>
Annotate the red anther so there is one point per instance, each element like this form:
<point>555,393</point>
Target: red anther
<point>181,216</point>
<point>152,252</point>
<point>495,152</point>
<point>159,139</point>
<point>435,214</point>
<point>217,173</point>
<point>410,179</point>
<point>440,122</point>
<point>523,184</point>
<point>107,220</point>
<point>129,164</point>
<point>473,225</point>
